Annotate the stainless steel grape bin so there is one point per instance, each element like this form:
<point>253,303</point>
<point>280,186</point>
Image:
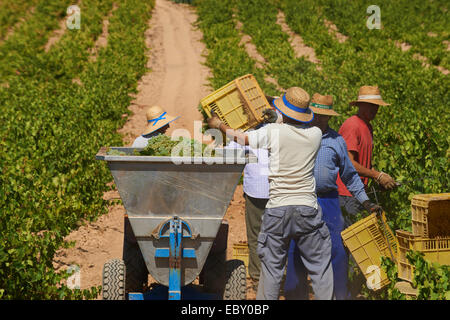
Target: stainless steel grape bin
<point>175,206</point>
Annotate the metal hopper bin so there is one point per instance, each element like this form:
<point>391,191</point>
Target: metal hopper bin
<point>174,211</point>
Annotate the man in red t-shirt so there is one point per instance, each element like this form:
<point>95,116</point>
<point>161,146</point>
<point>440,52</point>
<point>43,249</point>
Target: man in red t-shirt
<point>358,135</point>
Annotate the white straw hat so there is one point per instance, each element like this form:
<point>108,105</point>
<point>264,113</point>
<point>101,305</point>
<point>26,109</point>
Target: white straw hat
<point>156,119</point>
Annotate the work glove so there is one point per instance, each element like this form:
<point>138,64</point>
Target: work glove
<point>214,122</point>
<point>372,207</point>
<point>386,181</point>
<point>270,99</point>
<point>270,115</point>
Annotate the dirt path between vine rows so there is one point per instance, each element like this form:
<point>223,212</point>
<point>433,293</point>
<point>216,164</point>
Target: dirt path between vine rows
<point>176,81</point>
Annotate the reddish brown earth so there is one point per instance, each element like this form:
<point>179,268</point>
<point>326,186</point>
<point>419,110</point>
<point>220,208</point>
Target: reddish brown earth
<point>253,53</point>
<point>299,47</point>
<point>332,29</point>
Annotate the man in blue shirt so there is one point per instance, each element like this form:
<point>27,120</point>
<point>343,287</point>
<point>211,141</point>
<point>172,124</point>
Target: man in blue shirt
<point>332,159</point>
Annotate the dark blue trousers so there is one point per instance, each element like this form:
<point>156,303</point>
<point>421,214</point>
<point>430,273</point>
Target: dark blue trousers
<point>296,286</point>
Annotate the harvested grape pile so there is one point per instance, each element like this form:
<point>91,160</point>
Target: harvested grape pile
<point>162,145</point>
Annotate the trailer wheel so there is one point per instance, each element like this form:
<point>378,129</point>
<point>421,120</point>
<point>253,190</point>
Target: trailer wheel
<point>236,280</point>
<point>113,280</point>
<point>136,268</point>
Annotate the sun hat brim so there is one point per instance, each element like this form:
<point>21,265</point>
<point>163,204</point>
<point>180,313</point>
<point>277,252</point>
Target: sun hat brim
<point>151,128</point>
<point>305,117</point>
<point>375,101</point>
<point>326,112</point>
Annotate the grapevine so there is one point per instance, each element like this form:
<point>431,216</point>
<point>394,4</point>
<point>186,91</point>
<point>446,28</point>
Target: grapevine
<point>51,129</point>
<point>431,280</point>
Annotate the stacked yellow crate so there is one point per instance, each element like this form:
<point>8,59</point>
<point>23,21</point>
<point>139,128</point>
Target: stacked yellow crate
<point>240,252</point>
<point>430,217</point>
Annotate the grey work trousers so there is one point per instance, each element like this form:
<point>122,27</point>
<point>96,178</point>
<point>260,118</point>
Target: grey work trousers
<point>305,225</point>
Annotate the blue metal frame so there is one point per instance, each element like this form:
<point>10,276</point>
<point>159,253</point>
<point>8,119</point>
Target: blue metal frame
<point>175,253</point>
<point>160,292</point>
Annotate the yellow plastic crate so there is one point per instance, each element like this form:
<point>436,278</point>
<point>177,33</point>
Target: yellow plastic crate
<point>368,240</point>
<point>430,215</point>
<point>239,104</point>
<point>406,288</point>
<point>434,250</point>
<point>240,252</point>
<point>404,268</point>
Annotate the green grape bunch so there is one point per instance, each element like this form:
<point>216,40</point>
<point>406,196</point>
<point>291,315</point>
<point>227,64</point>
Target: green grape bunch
<point>116,153</point>
<point>162,145</point>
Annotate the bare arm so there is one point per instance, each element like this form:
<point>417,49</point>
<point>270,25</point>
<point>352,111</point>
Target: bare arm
<point>239,137</point>
<point>380,177</point>
<point>362,171</point>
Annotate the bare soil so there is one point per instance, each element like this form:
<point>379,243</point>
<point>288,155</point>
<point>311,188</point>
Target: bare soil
<point>426,64</point>
<point>253,53</point>
<point>296,41</point>
<point>250,48</point>
<point>447,43</point>
<point>332,29</point>
<point>102,40</point>
<point>56,35</point>
<point>17,25</point>
<point>403,45</point>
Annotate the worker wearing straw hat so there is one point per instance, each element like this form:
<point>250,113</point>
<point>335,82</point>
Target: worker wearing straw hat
<point>157,123</point>
<point>331,159</point>
<point>292,211</point>
<point>358,135</point>
<point>256,192</point>
<point>136,269</point>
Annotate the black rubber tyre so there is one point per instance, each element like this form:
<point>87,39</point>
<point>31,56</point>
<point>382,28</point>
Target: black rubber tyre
<point>113,280</point>
<point>236,280</point>
<point>136,268</point>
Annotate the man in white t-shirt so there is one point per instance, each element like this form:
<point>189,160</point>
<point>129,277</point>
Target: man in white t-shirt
<point>292,211</point>
<point>256,194</point>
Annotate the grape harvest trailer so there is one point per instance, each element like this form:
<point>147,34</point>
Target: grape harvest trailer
<point>176,211</point>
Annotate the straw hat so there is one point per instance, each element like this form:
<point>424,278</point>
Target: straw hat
<point>371,95</point>
<point>156,119</point>
<point>322,105</point>
<point>295,105</point>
